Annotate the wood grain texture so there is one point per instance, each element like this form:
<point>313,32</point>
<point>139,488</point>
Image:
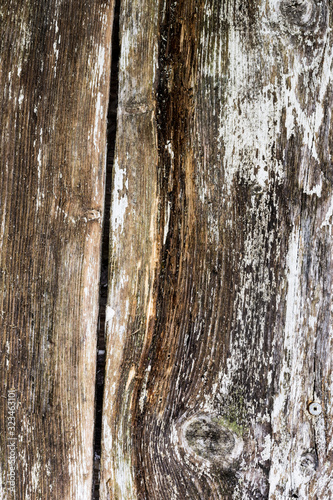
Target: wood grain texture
<point>55,68</point>
<point>220,303</point>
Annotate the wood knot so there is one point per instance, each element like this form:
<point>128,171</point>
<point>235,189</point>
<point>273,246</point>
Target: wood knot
<point>305,17</point>
<point>299,12</point>
<point>137,107</point>
<point>91,215</point>
<point>211,438</point>
<point>308,464</point>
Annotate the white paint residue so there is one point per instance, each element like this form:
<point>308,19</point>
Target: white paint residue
<point>10,85</point>
<point>266,453</point>
<point>248,147</point>
<point>143,393</point>
<point>120,201</point>
<point>329,216</point>
<point>56,43</point>
<point>35,473</point>
<point>293,299</point>
<point>4,211</point>
<point>290,368</point>
<point>65,215</point>
<point>315,189</point>
<point>101,60</point>
<point>131,375</point>
<point>124,470</point>
<point>109,314</point>
<point>21,97</point>
<point>48,470</point>
<point>257,242</point>
<point>168,147</point>
<point>129,35</point>
<point>39,168</point>
<point>256,123</point>
<point>309,124</point>
<point>98,118</point>
<point>56,51</point>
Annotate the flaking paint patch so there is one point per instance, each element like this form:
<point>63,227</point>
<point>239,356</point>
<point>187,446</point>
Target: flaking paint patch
<point>256,125</point>
<point>248,148</point>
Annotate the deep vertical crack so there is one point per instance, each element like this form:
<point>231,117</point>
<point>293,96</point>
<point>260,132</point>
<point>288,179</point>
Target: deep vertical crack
<point>103,290</point>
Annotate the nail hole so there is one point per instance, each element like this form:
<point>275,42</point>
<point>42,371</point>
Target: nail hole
<point>314,408</point>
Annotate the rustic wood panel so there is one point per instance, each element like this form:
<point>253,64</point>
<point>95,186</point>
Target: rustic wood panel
<point>219,316</point>
<point>55,67</point>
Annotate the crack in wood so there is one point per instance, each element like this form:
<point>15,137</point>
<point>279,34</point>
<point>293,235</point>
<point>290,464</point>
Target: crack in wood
<point>105,261</point>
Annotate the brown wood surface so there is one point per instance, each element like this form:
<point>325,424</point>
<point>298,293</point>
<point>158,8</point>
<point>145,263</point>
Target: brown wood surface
<point>54,81</point>
<point>219,317</point>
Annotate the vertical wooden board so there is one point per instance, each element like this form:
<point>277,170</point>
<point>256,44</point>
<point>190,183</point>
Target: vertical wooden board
<point>212,401</point>
<point>131,306</point>
<point>55,67</point>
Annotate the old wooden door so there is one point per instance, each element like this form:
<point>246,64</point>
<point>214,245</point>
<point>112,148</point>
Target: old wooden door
<point>218,373</point>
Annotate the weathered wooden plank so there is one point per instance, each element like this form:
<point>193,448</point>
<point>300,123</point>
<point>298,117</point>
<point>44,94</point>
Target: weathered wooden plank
<point>130,311</point>
<point>55,66</point>
<point>220,303</point>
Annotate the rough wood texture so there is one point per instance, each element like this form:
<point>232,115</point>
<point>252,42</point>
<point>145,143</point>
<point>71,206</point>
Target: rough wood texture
<point>55,66</point>
<point>220,307</point>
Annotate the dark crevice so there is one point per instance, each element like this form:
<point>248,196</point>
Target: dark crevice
<point>103,290</point>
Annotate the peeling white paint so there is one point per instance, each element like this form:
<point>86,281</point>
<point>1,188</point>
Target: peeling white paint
<point>254,127</point>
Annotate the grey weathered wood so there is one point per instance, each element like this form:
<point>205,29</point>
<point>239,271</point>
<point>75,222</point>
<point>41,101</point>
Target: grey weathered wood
<point>220,302</point>
<point>54,81</point>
